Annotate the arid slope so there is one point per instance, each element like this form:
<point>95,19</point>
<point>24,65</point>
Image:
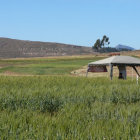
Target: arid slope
<point>12,48</point>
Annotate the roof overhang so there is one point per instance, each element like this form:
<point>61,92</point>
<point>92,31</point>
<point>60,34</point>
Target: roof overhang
<point>117,61</point>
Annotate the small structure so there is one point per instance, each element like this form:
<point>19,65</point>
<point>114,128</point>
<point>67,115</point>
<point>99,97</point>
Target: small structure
<point>120,61</point>
<point>114,54</point>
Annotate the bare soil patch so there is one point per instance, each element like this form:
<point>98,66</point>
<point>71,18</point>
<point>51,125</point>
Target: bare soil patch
<point>83,70</point>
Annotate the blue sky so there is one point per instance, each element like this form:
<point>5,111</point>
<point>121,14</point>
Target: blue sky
<point>79,22</point>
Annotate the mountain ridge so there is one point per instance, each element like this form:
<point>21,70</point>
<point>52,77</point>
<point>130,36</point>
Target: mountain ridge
<point>12,48</point>
<point>124,47</point>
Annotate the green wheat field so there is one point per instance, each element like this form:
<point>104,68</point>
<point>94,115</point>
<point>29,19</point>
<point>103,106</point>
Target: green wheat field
<point>51,104</point>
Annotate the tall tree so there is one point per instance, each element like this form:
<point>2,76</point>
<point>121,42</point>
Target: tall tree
<point>101,43</point>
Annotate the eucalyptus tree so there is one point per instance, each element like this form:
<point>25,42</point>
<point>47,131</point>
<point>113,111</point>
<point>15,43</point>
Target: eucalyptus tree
<point>101,43</point>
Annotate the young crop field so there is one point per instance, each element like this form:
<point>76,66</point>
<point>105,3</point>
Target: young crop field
<point>54,105</point>
<point>65,107</point>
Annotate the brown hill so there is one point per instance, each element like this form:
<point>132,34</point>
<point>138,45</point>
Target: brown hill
<point>12,48</point>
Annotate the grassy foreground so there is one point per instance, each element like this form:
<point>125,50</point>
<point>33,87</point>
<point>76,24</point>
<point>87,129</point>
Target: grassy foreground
<point>64,107</point>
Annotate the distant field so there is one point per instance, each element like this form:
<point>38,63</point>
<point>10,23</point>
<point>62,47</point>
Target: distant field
<point>65,107</point>
<point>44,66</point>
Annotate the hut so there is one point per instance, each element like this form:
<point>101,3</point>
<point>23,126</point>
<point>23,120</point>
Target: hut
<point>120,61</point>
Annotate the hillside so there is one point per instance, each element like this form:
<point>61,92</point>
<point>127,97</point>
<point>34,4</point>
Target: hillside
<point>12,48</point>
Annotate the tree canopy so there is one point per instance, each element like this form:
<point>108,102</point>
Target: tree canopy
<point>101,43</point>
